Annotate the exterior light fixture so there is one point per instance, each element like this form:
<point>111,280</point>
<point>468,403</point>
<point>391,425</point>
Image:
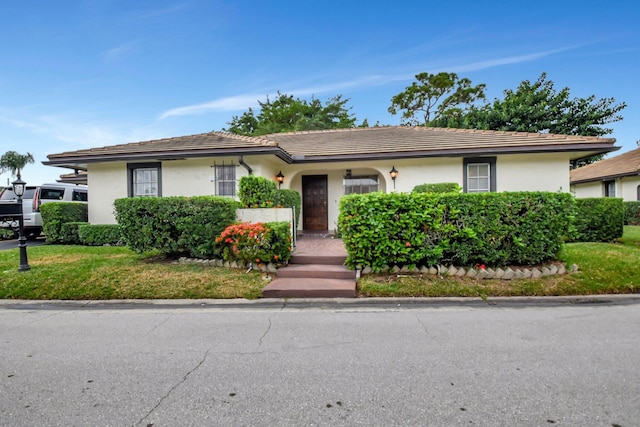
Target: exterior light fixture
<point>394,174</point>
<point>18,188</point>
<point>280,179</point>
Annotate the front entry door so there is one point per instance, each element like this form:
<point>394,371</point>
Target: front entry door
<point>314,202</point>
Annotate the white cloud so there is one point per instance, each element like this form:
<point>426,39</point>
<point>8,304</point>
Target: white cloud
<point>232,103</point>
<point>491,63</point>
<point>73,130</point>
<point>242,102</point>
<point>118,52</point>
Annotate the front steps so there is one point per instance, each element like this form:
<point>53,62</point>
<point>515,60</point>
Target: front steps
<point>313,276</point>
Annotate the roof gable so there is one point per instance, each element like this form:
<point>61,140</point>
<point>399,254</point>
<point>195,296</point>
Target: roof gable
<point>625,164</point>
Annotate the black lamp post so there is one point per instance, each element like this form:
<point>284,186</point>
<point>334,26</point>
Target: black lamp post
<point>280,179</point>
<point>18,189</point>
<point>394,174</point>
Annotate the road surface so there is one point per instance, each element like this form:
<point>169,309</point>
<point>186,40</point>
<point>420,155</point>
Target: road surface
<point>325,365</point>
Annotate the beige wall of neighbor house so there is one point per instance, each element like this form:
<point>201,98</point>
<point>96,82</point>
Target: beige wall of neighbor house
<point>630,188</point>
<point>627,188</point>
<point>587,189</point>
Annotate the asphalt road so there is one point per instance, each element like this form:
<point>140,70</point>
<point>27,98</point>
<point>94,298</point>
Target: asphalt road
<point>12,244</point>
<point>367,365</point>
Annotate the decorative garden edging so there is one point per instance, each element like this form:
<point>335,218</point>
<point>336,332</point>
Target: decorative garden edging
<point>508,273</point>
<point>265,268</point>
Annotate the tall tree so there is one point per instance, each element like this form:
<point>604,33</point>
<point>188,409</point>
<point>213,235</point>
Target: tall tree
<point>286,114</point>
<point>435,97</point>
<point>14,162</point>
<point>539,107</point>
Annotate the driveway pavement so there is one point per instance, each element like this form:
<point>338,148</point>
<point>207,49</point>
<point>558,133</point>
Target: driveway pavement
<point>322,363</point>
<point>11,244</point>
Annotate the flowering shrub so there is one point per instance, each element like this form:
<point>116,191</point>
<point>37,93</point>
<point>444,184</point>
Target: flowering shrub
<point>257,243</point>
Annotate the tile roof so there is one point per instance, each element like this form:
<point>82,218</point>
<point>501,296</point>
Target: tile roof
<point>193,144</point>
<point>625,164</point>
<point>342,145</point>
<point>404,140</point>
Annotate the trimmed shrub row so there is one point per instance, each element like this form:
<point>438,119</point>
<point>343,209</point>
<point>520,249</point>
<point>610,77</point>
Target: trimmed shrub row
<point>100,234</point>
<point>55,216</point>
<point>598,219</point>
<point>464,229</point>
<point>175,226</point>
<point>632,213</point>
<point>289,199</point>
<point>441,187</point>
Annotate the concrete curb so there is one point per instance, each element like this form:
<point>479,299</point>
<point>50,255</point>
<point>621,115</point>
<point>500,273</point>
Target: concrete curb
<point>322,303</point>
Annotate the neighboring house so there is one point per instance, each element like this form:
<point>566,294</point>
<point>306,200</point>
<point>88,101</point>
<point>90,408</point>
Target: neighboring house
<point>618,176</point>
<point>325,165</point>
<point>77,177</point>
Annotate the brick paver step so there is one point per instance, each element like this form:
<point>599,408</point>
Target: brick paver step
<point>310,288</point>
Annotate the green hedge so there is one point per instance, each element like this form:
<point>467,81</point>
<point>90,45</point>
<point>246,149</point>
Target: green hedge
<point>256,192</point>
<point>175,225</point>
<point>69,234</point>
<point>55,215</point>
<point>632,213</point>
<point>100,234</point>
<point>599,219</point>
<point>494,229</point>
<point>441,187</point>
<point>289,199</point>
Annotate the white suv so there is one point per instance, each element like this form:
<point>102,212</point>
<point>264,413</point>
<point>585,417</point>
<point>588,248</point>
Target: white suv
<point>34,197</point>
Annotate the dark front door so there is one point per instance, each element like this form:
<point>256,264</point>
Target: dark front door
<point>314,202</point>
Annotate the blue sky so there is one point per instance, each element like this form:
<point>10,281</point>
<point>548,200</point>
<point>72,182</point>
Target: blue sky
<point>80,74</point>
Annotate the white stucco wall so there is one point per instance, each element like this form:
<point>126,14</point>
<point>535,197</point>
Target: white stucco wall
<point>629,188</point>
<point>534,172</point>
<point>587,189</point>
<point>106,182</point>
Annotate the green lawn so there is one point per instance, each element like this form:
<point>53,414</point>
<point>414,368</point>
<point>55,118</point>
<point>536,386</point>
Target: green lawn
<point>80,272</point>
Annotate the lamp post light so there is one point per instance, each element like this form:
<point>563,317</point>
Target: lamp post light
<point>394,174</point>
<point>280,179</point>
<point>18,189</point>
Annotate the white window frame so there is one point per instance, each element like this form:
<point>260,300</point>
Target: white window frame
<point>355,184</point>
<point>145,179</point>
<point>474,178</point>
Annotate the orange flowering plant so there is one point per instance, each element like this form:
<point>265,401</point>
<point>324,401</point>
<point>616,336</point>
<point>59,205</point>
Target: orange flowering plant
<point>257,243</point>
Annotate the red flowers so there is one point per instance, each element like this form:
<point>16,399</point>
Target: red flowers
<point>408,244</point>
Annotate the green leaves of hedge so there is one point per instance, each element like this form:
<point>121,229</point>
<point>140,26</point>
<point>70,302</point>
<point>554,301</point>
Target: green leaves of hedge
<point>55,215</point>
<point>256,191</point>
<point>599,219</point>
<point>427,229</point>
<point>175,225</point>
